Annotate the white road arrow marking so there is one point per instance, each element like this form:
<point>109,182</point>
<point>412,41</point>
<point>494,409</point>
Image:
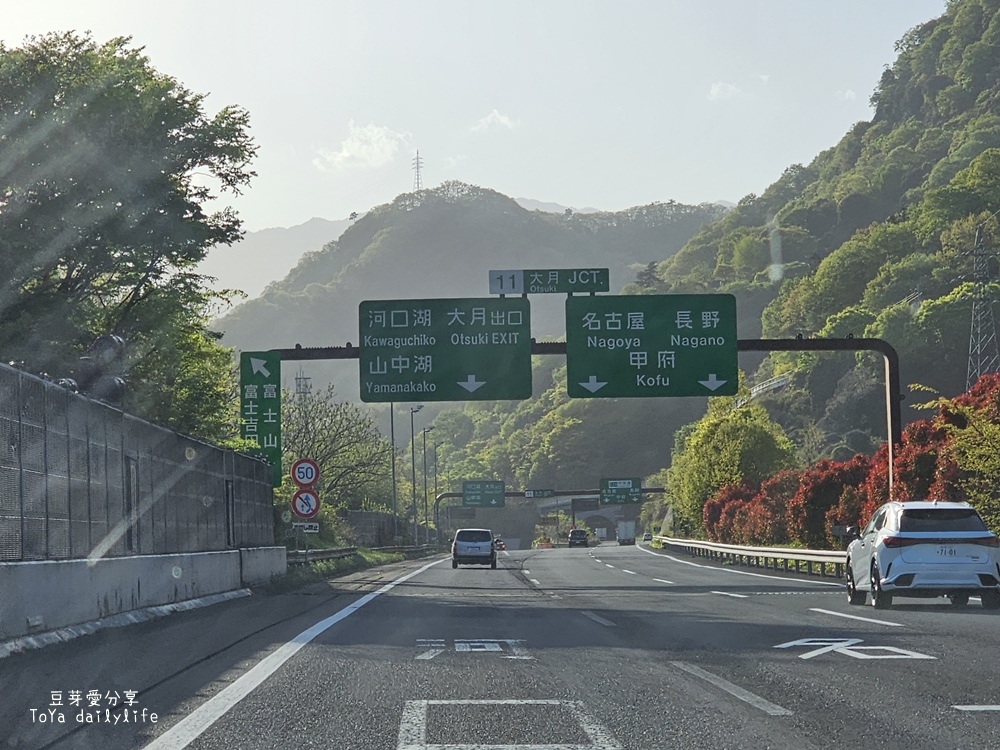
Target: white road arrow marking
<point>593,385</point>
<point>713,383</point>
<point>259,367</point>
<point>471,384</point>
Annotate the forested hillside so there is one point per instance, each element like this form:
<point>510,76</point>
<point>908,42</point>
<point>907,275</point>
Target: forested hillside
<point>872,238</point>
<point>442,242</point>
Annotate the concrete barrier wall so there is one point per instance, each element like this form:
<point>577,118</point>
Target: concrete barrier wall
<point>44,595</point>
<point>261,564</point>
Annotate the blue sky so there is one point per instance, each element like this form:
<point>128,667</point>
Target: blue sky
<point>584,103</point>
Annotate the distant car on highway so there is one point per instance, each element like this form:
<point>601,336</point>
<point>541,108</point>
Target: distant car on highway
<point>647,537</point>
<point>924,549</point>
<point>578,538</point>
<point>500,544</point>
<point>473,547</point>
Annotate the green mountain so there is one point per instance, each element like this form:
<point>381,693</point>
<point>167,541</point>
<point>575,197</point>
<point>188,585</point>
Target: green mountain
<point>442,243</point>
<point>875,236</point>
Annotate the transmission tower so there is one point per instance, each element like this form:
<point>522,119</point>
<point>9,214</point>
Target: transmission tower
<point>418,183</point>
<point>984,356</point>
<point>303,385</point>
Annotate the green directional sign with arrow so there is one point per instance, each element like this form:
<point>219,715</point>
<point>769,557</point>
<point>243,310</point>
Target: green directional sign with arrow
<point>651,345</point>
<point>260,405</point>
<point>472,349</point>
<point>483,494</point>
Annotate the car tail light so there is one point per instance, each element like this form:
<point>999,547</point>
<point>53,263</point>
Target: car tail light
<point>899,541</point>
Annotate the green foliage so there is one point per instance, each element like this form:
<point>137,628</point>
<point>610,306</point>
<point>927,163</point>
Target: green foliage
<point>102,220</point>
<point>728,446</point>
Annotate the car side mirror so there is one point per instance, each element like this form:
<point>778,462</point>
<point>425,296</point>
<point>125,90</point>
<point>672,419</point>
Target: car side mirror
<point>853,532</point>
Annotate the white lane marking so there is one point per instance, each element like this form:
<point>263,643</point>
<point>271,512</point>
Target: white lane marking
<point>607,565</point>
<point>734,690</point>
<point>736,572</point>
<point>597,618</point>
<point>526,572</point>
<point>433,646</point>
<point>535,581</point>
<point>978,708</point>
<point>857,617</point>
<point>660,580</point>
<point>413,726</point>
<point>505,552</point>
<point>850,647</point>
<point>735,596</point>
<point>630,572</point>
<point>596,560</point>
<point>192,726</point>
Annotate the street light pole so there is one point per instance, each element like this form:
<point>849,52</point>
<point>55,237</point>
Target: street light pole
<point>427,528</point>
<point>437,528</point>
<point>392,439</point>
<point>413,470</point>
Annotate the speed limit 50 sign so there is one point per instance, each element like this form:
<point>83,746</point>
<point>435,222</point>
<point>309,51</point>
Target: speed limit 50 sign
<point>305,472</point>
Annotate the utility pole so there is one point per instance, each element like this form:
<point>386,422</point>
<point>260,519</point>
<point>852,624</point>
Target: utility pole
<point>392,438</point>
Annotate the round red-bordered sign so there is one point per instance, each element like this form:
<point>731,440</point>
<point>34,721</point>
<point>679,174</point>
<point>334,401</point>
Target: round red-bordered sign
<point>305,503</point>
<point>305,472</point>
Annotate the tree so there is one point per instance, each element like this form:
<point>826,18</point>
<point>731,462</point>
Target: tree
<point>107,168</point>
<point>352,455</point>
<point>726,447</point>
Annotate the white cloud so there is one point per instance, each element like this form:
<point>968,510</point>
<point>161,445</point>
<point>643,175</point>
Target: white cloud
<point>723,90</point>
<point>764,78</point>
<point>494,118</point>
<point>450,162</point>
<point>368,145</point>
<point>847,96</point>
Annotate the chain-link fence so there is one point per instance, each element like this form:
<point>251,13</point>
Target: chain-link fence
<point>79,478</point>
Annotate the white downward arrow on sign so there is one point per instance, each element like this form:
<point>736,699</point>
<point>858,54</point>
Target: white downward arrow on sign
<point>593,385</point>
<point>471,384</point>
<point>259,367</point>
<point>712,383</point>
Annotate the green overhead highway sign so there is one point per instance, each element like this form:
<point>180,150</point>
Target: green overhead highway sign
<point>539,493</point>
<point>445,349</point>
<point>550,281</point>
<point>260,405</point>
<point>651,345</point>
<point>621,491</point>
<point>483,494</point>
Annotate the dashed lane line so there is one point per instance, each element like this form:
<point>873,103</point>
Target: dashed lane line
<point>856,617</point>
<point>734,690</point>
<point>597,618</point>
<point>728,593</point>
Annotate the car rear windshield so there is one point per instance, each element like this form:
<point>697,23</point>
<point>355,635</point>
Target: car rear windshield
<point>474,535</point>
<point>577,533</point>
<point>941,519</point>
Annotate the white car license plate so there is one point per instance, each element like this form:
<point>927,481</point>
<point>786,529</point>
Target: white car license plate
<point>947,550</point>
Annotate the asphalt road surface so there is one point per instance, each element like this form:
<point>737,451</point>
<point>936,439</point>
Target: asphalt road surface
<point>610,648</point>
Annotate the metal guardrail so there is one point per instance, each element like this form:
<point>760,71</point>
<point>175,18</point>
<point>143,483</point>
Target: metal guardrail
<point>790,559</point>
<point>315,555</point>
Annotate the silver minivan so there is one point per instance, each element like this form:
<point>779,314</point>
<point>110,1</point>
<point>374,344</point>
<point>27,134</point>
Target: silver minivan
<point>473,547</point>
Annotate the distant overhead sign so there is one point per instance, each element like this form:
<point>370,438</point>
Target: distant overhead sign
<point>445,349</point>
<point>539,493</point>
<point>651,345</point>
<point>483,494</point>
<point>550,281</point>
<point>621,491</point>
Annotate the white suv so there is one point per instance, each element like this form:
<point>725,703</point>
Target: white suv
<point>473,547</point>
<point>924,549</point>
